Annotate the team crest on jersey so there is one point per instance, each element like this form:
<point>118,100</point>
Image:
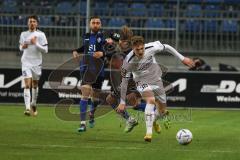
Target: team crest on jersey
<point>99,40</point>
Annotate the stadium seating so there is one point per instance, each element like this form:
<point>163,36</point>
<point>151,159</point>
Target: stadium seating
<point>45,21</point>
<point>212,11</point>
<point>213,1</point>
<point>64,7</point>
<point>9,6</point>
<point>137,9</point>
<point>155,10</point>
<point>170,23</point>
<point>116,22</point>
<point>193,10</point>
<point>192,25</point>
<point>120,9</point>
<point>154,23</point>
<point>6,20</point>
<point>229,26</point>
<point>210,26</point>
<point>80,8</point>
<point>101,8</point>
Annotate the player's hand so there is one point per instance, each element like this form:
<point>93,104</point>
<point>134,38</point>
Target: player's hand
<point>98,54</point>
<point>188,62</point>
<point>109,40</point>
<point>24,46</point>
<point>33,40</point>
<point>121,108</point>
<point>76,56</point>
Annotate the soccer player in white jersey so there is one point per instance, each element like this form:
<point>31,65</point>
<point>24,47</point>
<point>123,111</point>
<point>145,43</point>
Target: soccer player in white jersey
<point>147,75</point>
<point>33,43</point>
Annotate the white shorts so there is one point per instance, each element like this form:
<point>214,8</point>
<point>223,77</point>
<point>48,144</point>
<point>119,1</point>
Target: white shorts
<point>157,89</point>
<point>33,72</point>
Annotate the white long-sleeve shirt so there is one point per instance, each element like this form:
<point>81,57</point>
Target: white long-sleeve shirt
<point>145,70</point>
<point>32,55</point>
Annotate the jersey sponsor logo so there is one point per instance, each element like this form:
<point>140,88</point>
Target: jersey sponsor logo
<point>99,40</point>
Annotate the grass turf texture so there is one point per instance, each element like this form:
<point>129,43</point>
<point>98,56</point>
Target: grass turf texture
<point>216,136</point>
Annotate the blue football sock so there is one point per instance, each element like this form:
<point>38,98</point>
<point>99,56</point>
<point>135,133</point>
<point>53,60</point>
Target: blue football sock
<point>83,109</point>
<point>140,107</point>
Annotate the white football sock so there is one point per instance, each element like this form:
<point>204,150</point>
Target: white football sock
<point>83,122</point>
<point>149,117</point>
<point>34,96</point>
<point>27,97</point>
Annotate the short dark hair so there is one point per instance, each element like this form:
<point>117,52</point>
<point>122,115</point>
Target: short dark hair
<point>137,40</point>
<point>94,17</point>
<point>33,17</point>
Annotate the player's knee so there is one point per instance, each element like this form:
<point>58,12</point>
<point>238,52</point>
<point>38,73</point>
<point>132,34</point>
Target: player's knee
<point>27,86</point>
<point>86,91</point>
<point>150,100</point>
<point>34,84</point>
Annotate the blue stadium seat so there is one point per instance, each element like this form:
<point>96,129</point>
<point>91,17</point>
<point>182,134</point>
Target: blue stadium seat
<point>155,10</point>
<point>195,1</point>
<point>213,1</point>
<point>101,8</point>
<point>64,8</point>
<point>193,10</point>
<point>45,21</point>
<point>9,6</point>
<point>120,9</point>
<point>116,22</point>
<point>80,8</point>
<point>212,11</point>
<point>231,1</point>
<point>154,23</point>
<point>21,20</point>
<point>171,23</point>
<point>7,20</point>
<point>210,26</point>
<point>192,25</point>
<point>138,9</point>
<point>229,26</point>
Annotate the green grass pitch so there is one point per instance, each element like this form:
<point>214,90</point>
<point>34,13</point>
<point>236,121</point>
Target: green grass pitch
<point>216,137</point>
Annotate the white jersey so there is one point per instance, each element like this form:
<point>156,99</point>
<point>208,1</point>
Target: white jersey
<point>145,70</point>
<point>32,55</point>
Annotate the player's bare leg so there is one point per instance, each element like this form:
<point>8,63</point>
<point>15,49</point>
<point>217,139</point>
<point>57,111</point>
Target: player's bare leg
<point>86,91</point>
<point>148,96</point>
<point>34,97</point>
<point>27,96</point>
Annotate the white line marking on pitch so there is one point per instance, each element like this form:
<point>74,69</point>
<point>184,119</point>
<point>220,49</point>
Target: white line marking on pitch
<point>114,148</point>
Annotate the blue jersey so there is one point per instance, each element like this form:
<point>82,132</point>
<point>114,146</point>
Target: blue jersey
<point>93,42</point>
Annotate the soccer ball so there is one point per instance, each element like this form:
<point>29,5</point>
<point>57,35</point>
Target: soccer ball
<point>184,136</point>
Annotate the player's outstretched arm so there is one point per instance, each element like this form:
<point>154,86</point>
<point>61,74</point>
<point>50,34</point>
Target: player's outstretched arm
<point>123,91</point>
<point>185,60</point>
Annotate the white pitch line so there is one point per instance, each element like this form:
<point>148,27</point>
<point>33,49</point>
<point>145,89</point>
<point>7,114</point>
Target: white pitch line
<point>115,148</point>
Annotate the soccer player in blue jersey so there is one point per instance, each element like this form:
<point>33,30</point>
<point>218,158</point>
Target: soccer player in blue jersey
<point>91,70</point>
